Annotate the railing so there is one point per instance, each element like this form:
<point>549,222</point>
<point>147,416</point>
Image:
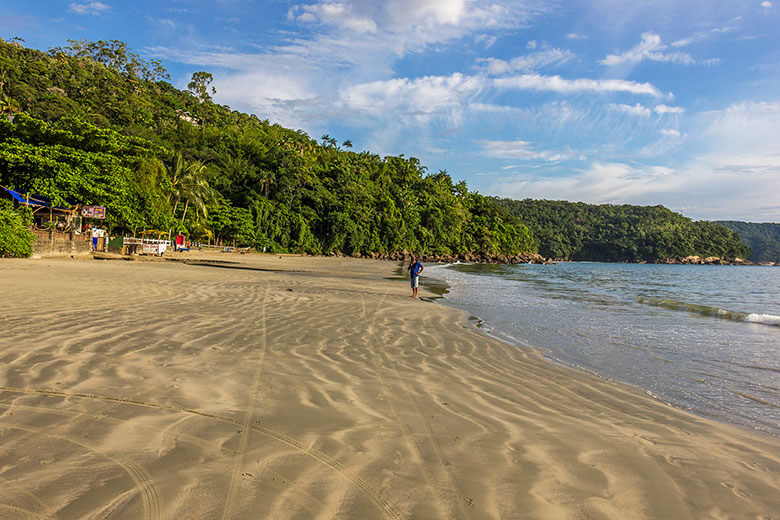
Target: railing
<point>149,246</point>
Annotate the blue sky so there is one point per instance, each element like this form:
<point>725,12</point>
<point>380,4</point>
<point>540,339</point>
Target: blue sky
<point>604,101</point>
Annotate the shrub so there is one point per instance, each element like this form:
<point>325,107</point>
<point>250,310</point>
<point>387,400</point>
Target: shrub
<point>15,238</point>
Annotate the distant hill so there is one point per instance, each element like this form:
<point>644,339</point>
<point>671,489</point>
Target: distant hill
<point>763,239</point>
<point>620,233</point>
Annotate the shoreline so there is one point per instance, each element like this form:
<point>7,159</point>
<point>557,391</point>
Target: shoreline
<point>306,387</point>
<point>661,393</point>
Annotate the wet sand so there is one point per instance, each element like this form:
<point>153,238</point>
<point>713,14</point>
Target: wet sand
<point>316,388</point>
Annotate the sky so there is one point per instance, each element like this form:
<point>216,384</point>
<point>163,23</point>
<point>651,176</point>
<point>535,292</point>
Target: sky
<point>603,101</point>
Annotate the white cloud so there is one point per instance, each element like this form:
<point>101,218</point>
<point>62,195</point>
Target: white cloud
<point>747,133</point>
<point>529,62</point>
<point>650,48</point>
<point>333,13</point>
<point>703,35</point>
<point>508,149</point>
<point>571,86</point>
<point>683,43</point>
<point>664,109</point>
<point>576,36</point>
<point>344,44</point>
<point>88,7</point>
<point>495,109</point>
<point>485,40</point>
<point>428,95</point>
<point>766,3</point>
<point>414,18</point>
<point>736,173</point>
<point>519,150</point>
<point>634,110</point>
<point>669,140</point>
<point>600,183</point>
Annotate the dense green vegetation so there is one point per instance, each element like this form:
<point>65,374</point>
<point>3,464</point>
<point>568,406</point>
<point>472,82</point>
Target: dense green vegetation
<point>94,123</point>
<point>763,239</point>
<point>578,231</point>
<point>15,237</point>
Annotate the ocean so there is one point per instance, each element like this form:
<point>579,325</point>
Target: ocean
<point>701,338</point>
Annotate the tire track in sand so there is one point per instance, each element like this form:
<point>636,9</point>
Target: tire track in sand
<point>235,478</point>
<point>49,514</point>
<point>142,480</point>
<point>445,497</point>
<point>391,510</point>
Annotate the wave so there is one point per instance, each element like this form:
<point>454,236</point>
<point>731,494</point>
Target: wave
<point>713,312</point>
<point>764,319</point>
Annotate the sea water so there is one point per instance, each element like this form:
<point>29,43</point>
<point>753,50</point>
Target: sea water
<point>702,338</point>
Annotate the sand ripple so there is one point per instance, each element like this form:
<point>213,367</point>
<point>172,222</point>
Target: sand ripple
<point>316,388</point>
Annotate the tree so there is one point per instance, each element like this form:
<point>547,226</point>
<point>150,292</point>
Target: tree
<point>9,107</point>
<point>199,86</point>
<point>15,239</point>
<point>189,180</point>
<point>99,138</point>
<point>115,55</point>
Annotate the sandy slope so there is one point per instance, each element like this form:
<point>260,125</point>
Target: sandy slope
<point>316,389</point>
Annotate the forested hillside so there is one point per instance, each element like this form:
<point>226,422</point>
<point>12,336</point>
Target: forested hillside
<point>763,239</point>
<point>94,123</point>
<point>578,231</point>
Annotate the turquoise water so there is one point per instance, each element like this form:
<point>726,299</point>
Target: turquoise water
<point>702,338</point>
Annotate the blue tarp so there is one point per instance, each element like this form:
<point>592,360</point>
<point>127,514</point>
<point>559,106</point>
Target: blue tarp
<point>31,200</point>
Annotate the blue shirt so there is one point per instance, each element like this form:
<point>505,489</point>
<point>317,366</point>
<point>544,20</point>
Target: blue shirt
<point>416,267</point>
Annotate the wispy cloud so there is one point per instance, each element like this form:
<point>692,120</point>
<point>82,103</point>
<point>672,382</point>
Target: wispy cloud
<point>736,173</point>
<point>414,21</point>
<point>634,110</point>
<point>93,8</point>
<point>528,63</point>
<point>643,111</point>
<point>427,95</point>
<point>344,46</point>
<point>650,48</point>
<point>520,150</point>
<point>703,35</point>
<point>333,14</point>
<point>664,109</point>
<point>571,86</point>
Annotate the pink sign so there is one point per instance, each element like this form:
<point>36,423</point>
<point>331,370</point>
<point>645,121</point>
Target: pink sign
<point>93,211</point>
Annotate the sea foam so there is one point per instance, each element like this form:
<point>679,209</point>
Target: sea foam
<point>765,319</point>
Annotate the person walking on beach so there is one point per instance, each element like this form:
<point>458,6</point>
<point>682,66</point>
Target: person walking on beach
<point>415,268</point>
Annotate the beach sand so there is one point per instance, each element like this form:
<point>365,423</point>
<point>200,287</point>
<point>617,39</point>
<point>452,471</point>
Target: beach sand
<point>316,388</point>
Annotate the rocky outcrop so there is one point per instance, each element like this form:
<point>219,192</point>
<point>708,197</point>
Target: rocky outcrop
<point>533,258</point>
<point>469,257</point>
<point>710,260</point>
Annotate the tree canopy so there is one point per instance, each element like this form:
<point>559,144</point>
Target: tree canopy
<point>615,233</point>
<point>94,123</point>
<point>763,239</point>
<point>97,124</point>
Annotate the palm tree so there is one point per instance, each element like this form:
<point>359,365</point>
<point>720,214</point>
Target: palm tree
<point>9,107</point>
<point>176,170</point>
<point>190,184</point>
